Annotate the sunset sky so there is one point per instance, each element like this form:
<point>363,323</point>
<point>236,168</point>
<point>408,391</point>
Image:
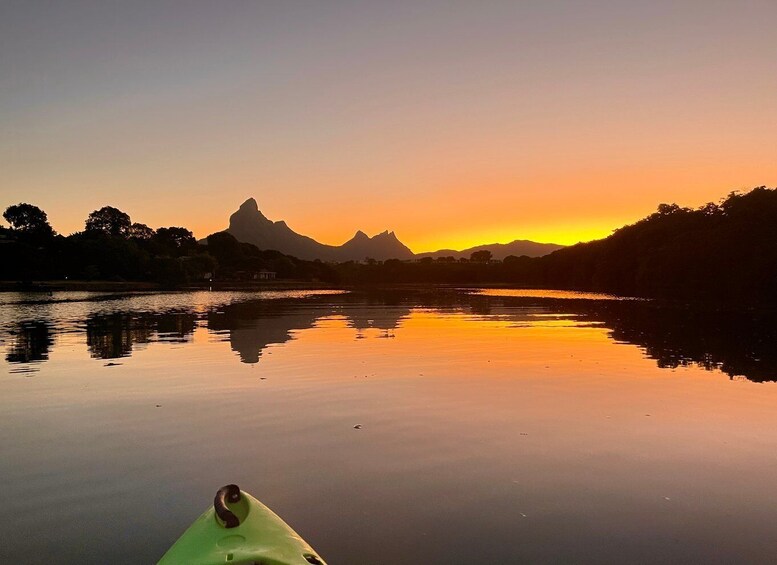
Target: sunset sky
<point>451,123</point>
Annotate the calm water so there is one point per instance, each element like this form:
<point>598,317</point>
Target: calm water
<point>497,427</point>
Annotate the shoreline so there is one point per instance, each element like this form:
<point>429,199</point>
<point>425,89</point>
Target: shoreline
<point>129,287</point>
<point>140,286</point>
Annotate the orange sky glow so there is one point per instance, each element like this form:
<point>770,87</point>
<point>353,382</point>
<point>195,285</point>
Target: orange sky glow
<point>452,125</point>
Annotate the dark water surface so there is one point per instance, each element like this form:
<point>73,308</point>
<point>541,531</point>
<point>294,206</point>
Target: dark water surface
<point>496,427</point>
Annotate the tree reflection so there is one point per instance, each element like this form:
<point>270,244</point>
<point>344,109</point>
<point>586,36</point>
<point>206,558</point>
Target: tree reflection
<point>109,336</point>
<point>113,335</point>
<point>175,326</point>
<point>737,343</point>
<point>30,342</point>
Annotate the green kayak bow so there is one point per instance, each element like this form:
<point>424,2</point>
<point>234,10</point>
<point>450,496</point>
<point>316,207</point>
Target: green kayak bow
<point>240,530</point>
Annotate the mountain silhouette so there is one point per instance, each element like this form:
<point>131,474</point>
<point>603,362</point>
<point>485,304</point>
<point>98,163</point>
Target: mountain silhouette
<point>249,225</point>
<point>498,250</point>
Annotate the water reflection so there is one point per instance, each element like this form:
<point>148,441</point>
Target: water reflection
<point>737,343</point>
<point>552,414</point>
<point>29,343</point>
<point>176,327</point>
<point>740,344</point>
<point>253,326</point>
<point>114,335</point>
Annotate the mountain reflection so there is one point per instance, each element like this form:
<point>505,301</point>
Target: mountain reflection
<point>253,326</point>
<point>737,343</point>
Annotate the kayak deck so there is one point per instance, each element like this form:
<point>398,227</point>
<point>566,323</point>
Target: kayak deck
<point>240,530</point>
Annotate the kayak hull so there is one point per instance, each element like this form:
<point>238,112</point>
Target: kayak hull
<point>260,537</point>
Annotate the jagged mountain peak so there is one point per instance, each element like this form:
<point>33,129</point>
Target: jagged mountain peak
<point>248,224</point>
<point>247,213</point>
<point>250,205</point>
<point>385,235</point>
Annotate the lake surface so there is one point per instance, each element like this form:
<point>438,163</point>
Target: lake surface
<point>496,427</point>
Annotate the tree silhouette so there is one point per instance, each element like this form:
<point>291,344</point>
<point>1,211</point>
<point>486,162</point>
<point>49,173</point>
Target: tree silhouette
<point>141,232</point>
<point>109,221</point>
<point>177,238</point>
<point>482,256</point>
<point>29,219</point>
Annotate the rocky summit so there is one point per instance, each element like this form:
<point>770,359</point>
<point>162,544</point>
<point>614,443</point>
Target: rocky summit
<point>249,225</point>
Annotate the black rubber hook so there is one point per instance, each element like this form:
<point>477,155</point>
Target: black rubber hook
<point>226,493</point>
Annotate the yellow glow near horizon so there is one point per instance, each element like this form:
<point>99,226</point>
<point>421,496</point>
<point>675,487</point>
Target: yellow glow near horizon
<point>570,234</point>
<point>566,235</point>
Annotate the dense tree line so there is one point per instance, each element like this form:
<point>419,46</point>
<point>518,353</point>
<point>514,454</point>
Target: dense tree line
<point>724,251</point>
<point>113,248</point>
<point>239,260</point>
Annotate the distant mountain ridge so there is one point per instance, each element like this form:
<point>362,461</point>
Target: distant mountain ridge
<point>249,225</point>
<point>498,250</point>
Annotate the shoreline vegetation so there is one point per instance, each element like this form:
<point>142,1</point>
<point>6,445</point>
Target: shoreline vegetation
<point>724,252</point>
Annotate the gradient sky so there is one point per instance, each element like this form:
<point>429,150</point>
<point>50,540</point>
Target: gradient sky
<point>452,123</point>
